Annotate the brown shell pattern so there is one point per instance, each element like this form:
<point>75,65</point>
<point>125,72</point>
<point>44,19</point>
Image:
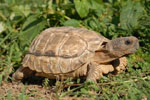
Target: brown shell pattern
<point>62,50</point>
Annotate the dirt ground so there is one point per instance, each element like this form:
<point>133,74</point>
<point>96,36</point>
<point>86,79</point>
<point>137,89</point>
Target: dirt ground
<point>32,91</point>
<point>32,88</point>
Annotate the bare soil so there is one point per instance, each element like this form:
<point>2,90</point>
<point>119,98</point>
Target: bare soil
<point>32,91</point>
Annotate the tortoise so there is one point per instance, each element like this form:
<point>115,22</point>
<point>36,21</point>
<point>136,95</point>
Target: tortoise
<point>62,52</point>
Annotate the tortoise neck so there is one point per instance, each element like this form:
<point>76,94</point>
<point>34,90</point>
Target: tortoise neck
<point>104,56</point>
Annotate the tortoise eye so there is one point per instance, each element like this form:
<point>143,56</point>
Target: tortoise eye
<point>127,42</point>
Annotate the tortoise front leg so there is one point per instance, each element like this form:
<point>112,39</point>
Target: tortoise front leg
<point>120,65</point>
<point>20,74</point>
<point>96,71</point>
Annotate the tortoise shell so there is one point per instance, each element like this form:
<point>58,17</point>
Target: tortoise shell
<point>62,50</point>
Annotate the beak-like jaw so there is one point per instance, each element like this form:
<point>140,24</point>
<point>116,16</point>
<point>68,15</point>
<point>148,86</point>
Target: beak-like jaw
<point>134,46</point>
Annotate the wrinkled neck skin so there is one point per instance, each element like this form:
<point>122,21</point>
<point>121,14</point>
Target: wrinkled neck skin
<point>106,54</point>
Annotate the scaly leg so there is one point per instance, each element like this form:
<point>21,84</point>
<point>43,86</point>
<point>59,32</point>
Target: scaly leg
<point>120,65</point>
<point>96,71</point>
<point>20,74</point>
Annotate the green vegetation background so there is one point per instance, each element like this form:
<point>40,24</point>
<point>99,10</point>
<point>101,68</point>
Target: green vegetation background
<point>22,20</point>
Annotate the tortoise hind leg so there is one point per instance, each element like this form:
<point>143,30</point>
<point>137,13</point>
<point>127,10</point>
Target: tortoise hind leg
<point>20,74</point>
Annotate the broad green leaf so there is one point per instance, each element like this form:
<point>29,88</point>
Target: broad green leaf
<point>130,14</point>
<point>95,4</point>
<point>29,21</point>
<point>22,9</point>
<point>27,35</point>
<point>72,22</point>
<point>82,7</point>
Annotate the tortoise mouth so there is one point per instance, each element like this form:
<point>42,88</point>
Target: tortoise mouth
<point>127,54</point>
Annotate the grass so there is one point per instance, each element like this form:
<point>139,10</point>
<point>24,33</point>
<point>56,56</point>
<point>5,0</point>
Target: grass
<point>20,18</point>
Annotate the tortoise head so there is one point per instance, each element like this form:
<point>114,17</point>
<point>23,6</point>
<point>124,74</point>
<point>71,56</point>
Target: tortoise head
<point>116,48</point>
<point>123,46</point>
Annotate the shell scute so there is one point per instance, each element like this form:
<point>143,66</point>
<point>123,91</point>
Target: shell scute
<point>73,47</point>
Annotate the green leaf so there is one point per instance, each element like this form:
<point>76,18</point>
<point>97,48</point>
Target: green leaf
<point>130,14</point>
<point>72,22</point>
<point>82,7</point>
<point>22,10</point>
<point>29,21</point>
<point>95,4</point>
<point>31,30</point>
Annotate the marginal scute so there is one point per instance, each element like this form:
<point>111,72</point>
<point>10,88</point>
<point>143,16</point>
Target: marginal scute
<point>37,64</point>
<point>64,63</point>
<point>31,62</point>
